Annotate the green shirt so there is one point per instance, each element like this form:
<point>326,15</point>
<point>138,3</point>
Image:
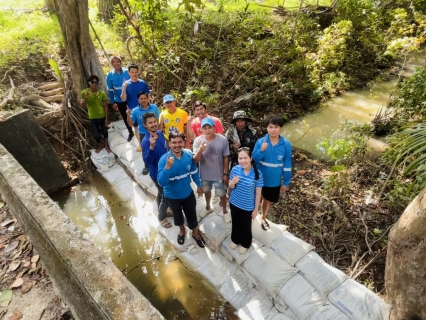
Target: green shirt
<point>94,103</point>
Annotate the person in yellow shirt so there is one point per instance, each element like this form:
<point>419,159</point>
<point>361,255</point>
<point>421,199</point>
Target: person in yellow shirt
<point>173,118</point>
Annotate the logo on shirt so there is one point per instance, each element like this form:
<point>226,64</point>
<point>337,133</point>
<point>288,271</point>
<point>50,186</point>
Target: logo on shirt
<point>280,157</point>
<point>166,120</point>
<point>251,184</point>
<point>188,167</point>
<point>177,120</point>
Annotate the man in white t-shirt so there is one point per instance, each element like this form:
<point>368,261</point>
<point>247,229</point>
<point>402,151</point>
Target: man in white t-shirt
<point>211,151</point>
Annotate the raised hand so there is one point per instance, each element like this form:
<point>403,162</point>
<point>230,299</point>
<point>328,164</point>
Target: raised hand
<point>170,161</point>
<point>152,141</point>
<point>203,147</point>
<point>264,146</point>
<point>128,111</point>
<point>190,118</point>
<point>235,180</point>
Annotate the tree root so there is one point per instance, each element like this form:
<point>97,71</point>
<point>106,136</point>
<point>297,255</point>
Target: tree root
<point>9,98</point>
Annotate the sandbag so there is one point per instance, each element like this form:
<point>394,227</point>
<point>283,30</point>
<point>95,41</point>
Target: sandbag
<point>214,230</point>
<point>235,255</point>
<point>195,256</point>
<point>216,269</point>
<point>269,269</point>
<point>268,236</point>
<point>359,303</point>
<point>115,174</point>
<point>102,160</point>
<point>323,277</point>
<point>290,248</point>
<point>328,312</point>
<point>275,315</point>
<point>172,233</point>
<point>237,289</point>
<point>301,297</point>
<point>256,308</point>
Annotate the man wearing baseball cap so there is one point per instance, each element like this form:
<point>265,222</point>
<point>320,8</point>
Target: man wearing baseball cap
<point>172,118</point>
<point>200,110</point>
<point>211,151</point>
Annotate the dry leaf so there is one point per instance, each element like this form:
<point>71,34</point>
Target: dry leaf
<point>27,286</point>
<point>5,303</point>
<point>14,265</point>
<point>16,315</point>
<point>12,246</point>
<point>18,282</point>
<point>33,265</point>
<point>20,274</point>
<point>35,258</point>
<point>27,264</point>
<point>5,223</point>
<point>17,255</point>
<point>21,238</point>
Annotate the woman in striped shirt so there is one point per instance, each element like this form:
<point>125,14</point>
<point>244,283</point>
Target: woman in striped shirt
<point>245,183</point>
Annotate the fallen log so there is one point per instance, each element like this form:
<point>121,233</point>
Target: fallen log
<point>50,85</point>
<point>49,119</point>
<point>37,101</point>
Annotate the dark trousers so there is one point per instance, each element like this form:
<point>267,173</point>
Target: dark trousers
<point>122,107</point>
<point>161,202</point>
<point>98,127</point>
<point>188,205</point>
<point>241,226</point>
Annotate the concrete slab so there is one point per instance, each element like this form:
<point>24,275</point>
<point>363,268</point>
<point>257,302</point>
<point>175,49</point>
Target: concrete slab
<point>21,135</point>
<point>91,284</point>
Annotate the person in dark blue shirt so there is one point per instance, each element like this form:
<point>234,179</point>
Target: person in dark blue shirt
<point>154,147</point>
<point>175,171</point>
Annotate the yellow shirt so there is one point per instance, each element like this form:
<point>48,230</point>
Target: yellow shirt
<point>173,121</point>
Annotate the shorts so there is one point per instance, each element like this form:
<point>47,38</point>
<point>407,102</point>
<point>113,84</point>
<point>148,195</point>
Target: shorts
<point>219,187</point>
<point>272,194</point>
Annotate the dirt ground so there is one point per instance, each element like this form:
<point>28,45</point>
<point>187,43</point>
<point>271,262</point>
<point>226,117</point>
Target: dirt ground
<point>26,291</point>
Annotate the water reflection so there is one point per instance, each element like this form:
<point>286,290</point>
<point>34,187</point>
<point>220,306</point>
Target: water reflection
<point>121,229</point>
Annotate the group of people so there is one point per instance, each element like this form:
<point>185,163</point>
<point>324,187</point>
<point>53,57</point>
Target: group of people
<point>253,171</point>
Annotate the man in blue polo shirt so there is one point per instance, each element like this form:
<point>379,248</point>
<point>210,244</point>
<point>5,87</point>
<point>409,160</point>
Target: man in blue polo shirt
<point>135,118</point>
<point>115,79</point>
<point>175,171</point>
<point>131,88</point>
<point>272,154</point>
<point>154,147</point>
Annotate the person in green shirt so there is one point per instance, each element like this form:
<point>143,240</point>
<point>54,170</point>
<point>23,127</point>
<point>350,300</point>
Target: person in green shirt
<point>96,102</point>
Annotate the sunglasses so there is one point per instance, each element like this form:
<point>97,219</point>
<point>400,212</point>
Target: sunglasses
<point>243,148</point>
<point>93,82</point>
<point>168,102</point>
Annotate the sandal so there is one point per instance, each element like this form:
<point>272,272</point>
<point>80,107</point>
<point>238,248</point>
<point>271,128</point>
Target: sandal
<point>265,225</point>
<point>200,242</point>
<point>166,224</point>
<point>181,239</point>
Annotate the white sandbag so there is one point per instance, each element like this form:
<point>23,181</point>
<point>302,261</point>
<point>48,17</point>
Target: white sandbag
<point>136,166</point>
<point>172,233</point>
<point>269,269</point>
<point>124,189</point>
<point>115,174</point>
<point>215,230</point>
<point>328,312</point>
<point>236,256</point>
<point>290,248</point>
<point>276,315</point>
<point>222,249</point>
<point>268,236</point>
<point>195,256</point>
<point>301,297</point>
<point>144,181</point>
<point>323,277</point>
<point>256,308</point>
<point>115,138</point>
<point>102,160</point>
<point>237,289</point>
<point>216,269</point>
<point>359,303</point>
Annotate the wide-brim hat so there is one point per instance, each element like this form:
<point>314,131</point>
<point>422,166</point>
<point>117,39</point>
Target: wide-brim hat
<point>240,114</point>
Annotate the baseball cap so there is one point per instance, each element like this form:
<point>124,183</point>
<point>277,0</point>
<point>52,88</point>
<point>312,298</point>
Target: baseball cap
<point>167,98</point>
<point>208,121</point>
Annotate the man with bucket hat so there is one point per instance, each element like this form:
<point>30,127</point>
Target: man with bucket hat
<point>240,134</point>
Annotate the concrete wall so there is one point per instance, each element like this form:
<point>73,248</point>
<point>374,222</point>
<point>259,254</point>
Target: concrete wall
<point>21,135</point>
<point>90,283</point>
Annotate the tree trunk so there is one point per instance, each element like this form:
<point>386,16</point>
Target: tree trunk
<point>106,9</point>
<point>406,263</point>
<point>74,21</point>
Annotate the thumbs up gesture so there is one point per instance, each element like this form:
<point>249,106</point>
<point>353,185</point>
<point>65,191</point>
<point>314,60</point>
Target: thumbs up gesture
<point>170,161</point>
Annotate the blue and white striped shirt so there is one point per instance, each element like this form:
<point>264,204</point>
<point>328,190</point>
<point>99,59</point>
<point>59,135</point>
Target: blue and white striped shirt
<point>243,195</point>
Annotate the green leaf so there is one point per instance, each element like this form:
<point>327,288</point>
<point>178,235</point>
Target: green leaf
<point>55,68</point>
<point>5,295</point>
<point>1,204</point>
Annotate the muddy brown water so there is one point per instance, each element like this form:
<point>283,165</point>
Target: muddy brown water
<point>143,255</point>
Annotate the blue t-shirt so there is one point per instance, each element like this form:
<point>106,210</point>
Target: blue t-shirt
<point>151,157</point>
<point>176,181</point>
<point>132,90</point>
<point>114,82</point>
<point>137,114</point>
<point>243,195</point>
